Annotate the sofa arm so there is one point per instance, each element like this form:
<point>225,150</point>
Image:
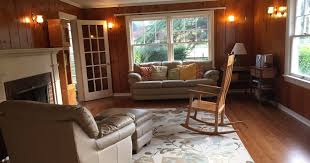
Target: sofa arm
<point>134,77</point>
<point>212,74</point>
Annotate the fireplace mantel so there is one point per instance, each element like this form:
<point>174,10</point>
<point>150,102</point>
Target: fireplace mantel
<point>21,63</point>
<point>28,52</point>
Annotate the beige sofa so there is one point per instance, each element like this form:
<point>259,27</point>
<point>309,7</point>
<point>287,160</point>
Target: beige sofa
<point>44,133</point>
<point>169,89</point>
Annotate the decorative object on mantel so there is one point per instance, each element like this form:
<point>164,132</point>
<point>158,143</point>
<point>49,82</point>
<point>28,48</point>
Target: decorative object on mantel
<point>277,12</point>
<point>239,49</point>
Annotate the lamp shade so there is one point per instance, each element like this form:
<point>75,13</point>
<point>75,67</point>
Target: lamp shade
<point>239,49</point>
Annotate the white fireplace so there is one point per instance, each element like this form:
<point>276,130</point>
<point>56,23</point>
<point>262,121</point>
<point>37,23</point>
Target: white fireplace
<point>22,63</point>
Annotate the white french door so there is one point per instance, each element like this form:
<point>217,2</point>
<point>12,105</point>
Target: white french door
<point>95,59</point>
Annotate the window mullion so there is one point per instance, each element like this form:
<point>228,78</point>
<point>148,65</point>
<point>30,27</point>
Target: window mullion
<point>170,38</point>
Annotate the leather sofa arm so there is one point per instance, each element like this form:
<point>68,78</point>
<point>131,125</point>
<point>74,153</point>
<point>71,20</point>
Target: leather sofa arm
<point>134,77</point>
<point>212,74</point>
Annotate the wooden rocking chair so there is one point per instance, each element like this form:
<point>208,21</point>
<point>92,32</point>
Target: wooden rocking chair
<point>217,108</point>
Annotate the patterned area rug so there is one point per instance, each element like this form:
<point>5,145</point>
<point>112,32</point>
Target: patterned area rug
<point>172,143</point>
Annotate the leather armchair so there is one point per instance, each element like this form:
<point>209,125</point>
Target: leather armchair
<point>36,132</point>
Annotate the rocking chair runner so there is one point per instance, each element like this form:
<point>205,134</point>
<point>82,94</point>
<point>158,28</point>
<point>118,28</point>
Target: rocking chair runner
<point>217,108</point>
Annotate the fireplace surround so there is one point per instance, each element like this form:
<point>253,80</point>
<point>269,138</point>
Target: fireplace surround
<point>35,88</point>
<point>30,74</point>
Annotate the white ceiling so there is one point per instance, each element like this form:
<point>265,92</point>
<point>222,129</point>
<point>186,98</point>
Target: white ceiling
<point>120,3</point>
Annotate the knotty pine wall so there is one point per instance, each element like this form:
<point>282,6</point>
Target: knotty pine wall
<point>15,34</point>
<point>226,34</point>
<point>269,34</point>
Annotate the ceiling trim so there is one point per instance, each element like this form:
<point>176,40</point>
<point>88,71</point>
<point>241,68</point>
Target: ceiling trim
<point>72,3</point>
<point>97,5</point>
<point>171,12</point>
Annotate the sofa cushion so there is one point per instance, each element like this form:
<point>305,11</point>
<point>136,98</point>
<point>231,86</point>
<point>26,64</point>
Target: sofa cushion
<point>114,137</point>
<point>205,65</point>
<point>212,74</point>
<point>174,74</point>
<point>171,64</point>
<point>187,72</point>
<point>193,83</point>
<point>148,64</point>
<point>159,72</point>
<point>147,84</point>
<point>173,83</point>
<point>161,91</point>
<point>141,115</point>
<point>199,71</point>
<point>110,124</point>
<point>146,73</point>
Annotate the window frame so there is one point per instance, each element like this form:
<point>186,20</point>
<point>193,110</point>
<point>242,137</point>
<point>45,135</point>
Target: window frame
<point>170,43</point>
<point>289,76</point>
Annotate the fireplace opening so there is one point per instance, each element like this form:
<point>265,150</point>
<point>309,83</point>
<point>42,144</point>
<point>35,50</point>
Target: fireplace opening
<point>38,93</point>
<point>35,88</point>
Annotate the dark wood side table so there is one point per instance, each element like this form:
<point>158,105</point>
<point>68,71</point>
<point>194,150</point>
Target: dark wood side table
<point>262,82</point>
<point>241,79</point>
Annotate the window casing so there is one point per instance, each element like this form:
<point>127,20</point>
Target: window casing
<point>298,43</point>
<point>174,34</point>
<point>298,40</point>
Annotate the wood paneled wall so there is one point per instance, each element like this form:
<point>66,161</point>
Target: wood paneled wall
<point>270,38</point>
<point>226,34</point>
<point>15,34</point>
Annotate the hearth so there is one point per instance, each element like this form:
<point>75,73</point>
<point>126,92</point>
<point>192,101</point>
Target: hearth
<point>35,88</point>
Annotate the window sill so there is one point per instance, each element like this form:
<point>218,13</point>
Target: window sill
<point>297,81</point>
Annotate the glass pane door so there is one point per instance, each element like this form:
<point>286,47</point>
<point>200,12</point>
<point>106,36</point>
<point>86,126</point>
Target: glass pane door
<point>95,59</point>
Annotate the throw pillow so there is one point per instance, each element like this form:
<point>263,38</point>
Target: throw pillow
<point>188,72</point>
<point>159,72</point>
<point>199,71</point>
<point>174,74</point>
<point>146,73</point>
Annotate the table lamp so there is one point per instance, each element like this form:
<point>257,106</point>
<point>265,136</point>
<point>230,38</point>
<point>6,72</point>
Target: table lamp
<point>239,49</point>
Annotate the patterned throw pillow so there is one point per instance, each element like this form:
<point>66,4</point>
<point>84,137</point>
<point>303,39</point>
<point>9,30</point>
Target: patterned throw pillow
<point>174,74</point>
<point>199,71</point>
<point>146,73</point>
<point>159,72</point>
<point>188,72</point>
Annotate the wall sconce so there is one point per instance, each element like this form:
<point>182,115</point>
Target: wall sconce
<point>39,19</point>
<point>277,11</point>
<point>231,18</point>
<point>26,20</point>
<point>33,19</point>
<point>110,25</point>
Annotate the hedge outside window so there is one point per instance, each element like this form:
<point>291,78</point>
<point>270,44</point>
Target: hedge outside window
<point>170,37</point>
<point>190,38</point>
<point>149,40</point>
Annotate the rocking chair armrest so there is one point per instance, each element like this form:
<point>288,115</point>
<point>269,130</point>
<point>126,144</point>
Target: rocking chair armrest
<point>209,86</point>
<point>192,91</point>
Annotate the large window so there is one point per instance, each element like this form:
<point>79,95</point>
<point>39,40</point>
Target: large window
<point>298,53</point>
<point>170,37</point>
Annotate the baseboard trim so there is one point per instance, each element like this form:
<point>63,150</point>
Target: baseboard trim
<point>294,114</point>
<point>121,94</point>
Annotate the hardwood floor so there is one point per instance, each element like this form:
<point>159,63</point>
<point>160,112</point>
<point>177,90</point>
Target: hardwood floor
<point>270,135</point>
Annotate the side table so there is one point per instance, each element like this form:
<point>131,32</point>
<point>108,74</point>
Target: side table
<point>262,82</point>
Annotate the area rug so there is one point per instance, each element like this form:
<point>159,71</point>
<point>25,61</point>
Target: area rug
<point>172,143</point>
